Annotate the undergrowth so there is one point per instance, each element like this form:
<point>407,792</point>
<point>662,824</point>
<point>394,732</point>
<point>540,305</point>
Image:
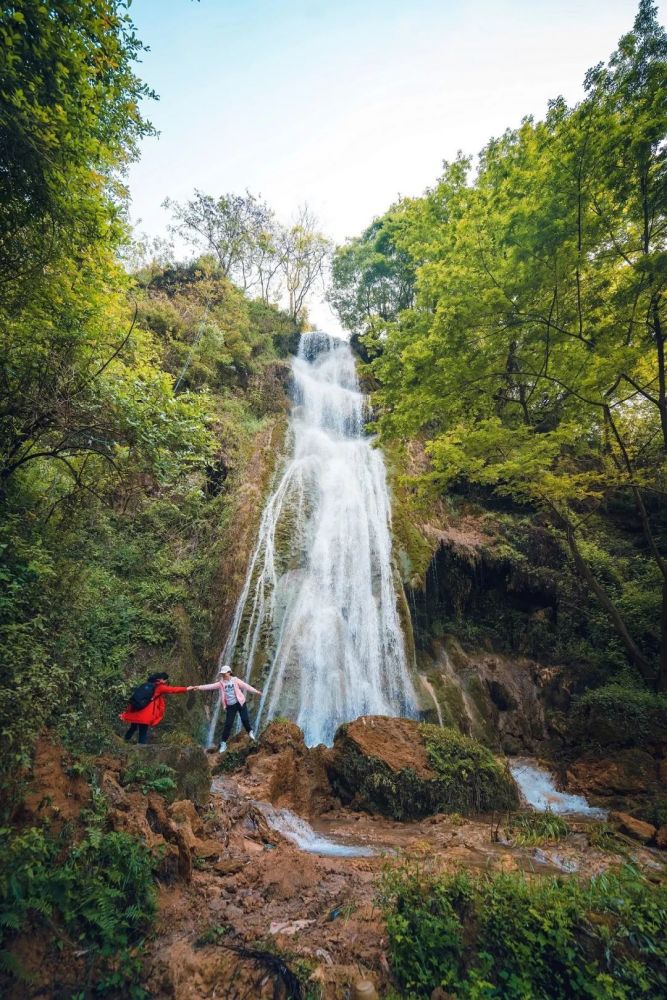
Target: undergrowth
<point>94,895</point>
<point>531,829</point>
<point>506,936</point>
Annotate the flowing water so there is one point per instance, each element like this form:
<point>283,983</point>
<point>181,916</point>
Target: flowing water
<point>538,790</point>
<point>318,613</point>
<point>301,833</point>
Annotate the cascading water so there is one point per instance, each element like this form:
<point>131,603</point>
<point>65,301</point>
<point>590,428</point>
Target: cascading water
<point>319,606</point>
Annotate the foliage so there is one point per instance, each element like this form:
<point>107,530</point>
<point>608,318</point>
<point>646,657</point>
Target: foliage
<point>253,249</point>
<point>533,828</point>
<point>532,361</point>
<point>491,936</point>
<point>95,895</point>
<point>617,715</point>
<point>473,779</point>
<point>149,777</point>
<point>123,411</point>
<point>372,278</point>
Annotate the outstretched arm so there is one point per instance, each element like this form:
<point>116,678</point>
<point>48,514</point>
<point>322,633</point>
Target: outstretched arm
<point>169,689</point>
<point>248,687</point>
<point>206,687</point>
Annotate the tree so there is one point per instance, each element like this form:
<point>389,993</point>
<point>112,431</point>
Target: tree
<point>532,361</point>
<point>303,253</point>
<point>239,230</point>
<point>371,278</point>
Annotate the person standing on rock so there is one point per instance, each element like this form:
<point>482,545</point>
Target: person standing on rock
<point>232,700</point>
<point>147,705</point>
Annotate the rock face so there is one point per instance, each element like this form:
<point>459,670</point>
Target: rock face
<point>291,775</point>
<point>503,701</point>
<point>407,770</point>
<point>190,766</point>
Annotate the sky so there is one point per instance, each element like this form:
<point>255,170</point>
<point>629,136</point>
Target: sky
<point>347,105</point>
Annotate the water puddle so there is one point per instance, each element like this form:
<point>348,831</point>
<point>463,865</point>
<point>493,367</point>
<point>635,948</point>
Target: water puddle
<point>539,791</point>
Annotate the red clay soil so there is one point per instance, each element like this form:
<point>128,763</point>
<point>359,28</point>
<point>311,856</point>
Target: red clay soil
<point>53,794</point>
<point>396,742</point>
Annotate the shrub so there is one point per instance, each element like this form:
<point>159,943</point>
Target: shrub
<point>503,936</point>
<point>616,715</point>
<point>97,893</point>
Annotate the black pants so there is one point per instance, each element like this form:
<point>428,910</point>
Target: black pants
<point>231,715</point>
<point>143,731</point>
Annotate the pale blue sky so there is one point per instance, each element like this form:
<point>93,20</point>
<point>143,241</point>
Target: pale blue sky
<point>346,105</point>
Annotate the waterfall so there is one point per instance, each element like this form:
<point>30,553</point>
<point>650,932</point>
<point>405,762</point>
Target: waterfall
<point>318,616</point>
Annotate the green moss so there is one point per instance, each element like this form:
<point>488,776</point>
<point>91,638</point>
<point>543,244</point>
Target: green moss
<point>472,779</point>
<point>466,777</point>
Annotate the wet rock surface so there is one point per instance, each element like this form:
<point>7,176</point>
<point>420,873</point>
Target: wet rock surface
<point>265,896</point>
<point>400,768</point>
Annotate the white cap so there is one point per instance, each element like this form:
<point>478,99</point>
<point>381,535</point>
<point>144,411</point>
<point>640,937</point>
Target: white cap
<point>225,670</point>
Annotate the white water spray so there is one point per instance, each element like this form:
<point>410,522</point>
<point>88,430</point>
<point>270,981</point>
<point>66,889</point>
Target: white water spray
<point>319,607</point>
<point>538,790</point>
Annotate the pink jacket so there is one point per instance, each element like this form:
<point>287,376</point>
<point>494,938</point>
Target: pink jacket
<point>238,685</point>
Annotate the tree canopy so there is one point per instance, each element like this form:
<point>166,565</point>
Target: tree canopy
<point>532,361</point>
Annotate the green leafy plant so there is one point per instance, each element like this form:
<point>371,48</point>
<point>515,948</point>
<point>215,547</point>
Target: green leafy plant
<point>511,937</point>
<point>150,777</point>
<point>97,892</point>
<point>530,829</point>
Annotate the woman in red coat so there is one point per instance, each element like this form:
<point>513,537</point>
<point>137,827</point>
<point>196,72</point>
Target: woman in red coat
<point>152,713</point>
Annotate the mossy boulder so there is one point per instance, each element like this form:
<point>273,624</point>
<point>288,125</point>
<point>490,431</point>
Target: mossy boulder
<point>407,770</point>
<point>191,769</point>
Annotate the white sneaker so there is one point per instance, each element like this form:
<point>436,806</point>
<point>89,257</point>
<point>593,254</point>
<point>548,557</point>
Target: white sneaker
<point>223,747</point>
<point>251,736</point>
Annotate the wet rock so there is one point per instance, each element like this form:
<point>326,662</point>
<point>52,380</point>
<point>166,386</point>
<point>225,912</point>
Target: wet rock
<point>500,696</point>
<point>288,774</point>
<point>645,832</point>
<point>408,770</point>
<point>661,838</point>
<point>629,772</point>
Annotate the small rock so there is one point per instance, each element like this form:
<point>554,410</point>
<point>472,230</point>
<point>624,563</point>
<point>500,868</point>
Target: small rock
<point>229,866</point>
<point>288,927</point>
<point>636,828</point>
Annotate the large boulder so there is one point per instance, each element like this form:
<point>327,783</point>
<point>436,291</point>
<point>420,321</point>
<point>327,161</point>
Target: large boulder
<point>407,770</point>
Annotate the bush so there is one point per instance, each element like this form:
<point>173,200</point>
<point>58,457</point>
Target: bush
<point>616,716</point>
<point>503,936</point>
<point>97,894</point>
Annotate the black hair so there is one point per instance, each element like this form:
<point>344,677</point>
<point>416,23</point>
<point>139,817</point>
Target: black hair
<point>152,678</point>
